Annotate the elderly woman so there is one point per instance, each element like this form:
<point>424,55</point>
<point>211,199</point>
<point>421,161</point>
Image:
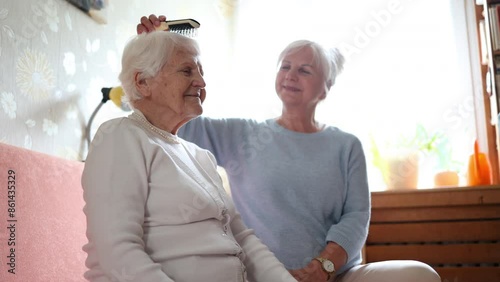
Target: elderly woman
<point>301,184</point>
<point>155,206</point>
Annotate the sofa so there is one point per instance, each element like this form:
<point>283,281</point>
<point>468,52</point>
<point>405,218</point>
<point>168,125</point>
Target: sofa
<point>42,225</point>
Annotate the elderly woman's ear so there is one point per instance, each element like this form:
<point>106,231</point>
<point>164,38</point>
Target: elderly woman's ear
<point>142,85</point>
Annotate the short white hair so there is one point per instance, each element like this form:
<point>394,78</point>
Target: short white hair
<point>329,61</point>
<point>146,54</point>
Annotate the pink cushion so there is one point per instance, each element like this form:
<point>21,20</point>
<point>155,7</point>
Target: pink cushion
<point>50,228</point>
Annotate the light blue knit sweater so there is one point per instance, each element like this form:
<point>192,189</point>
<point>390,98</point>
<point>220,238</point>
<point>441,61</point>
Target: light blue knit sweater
<point>296,190</point>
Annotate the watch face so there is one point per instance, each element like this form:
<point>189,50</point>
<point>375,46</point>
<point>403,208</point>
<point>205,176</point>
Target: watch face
<point>328,266</point>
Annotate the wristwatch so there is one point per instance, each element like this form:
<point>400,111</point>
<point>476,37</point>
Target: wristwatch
<point>327,266</point>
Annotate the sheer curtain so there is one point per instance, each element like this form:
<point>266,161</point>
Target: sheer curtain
<point>407,65</point>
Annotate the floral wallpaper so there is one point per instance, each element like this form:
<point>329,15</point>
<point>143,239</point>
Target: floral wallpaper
<point>55,58</point>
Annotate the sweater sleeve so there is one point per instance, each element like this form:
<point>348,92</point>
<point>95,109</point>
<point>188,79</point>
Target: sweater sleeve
<point>352,229</point>
<point>260,262</point>
<point>221,137</point>
<point>115,183</point>
<point>204,132</point>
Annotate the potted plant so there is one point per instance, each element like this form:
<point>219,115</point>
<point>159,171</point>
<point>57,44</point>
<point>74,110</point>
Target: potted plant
<point>400,165</point>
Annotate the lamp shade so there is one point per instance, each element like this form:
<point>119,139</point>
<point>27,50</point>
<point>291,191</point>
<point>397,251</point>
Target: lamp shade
<point>114,94</point>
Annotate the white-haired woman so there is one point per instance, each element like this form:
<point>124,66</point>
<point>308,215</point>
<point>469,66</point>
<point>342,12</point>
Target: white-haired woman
<point>156,209</point>
<point>300,184</point>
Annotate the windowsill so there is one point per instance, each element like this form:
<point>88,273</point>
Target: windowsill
<point>436,189</point>
<point>435,197</point>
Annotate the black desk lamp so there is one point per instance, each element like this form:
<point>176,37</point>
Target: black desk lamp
<point>114,94</point>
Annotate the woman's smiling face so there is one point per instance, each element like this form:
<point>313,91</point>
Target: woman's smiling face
<point>299,81</point>
<point>179,86</point>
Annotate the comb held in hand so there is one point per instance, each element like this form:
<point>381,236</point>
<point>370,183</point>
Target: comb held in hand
<point>185,27</point>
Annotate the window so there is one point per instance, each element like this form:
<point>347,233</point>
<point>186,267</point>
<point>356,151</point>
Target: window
<point>408,65</point>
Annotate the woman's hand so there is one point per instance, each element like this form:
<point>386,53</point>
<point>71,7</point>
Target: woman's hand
<point>150,24</point>
<point>311,273</point>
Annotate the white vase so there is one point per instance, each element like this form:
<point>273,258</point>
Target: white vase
<point>402,170</point>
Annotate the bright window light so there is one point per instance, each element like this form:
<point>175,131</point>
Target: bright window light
<point>407,66</point>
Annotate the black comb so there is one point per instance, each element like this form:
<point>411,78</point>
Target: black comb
<point>186,27</point>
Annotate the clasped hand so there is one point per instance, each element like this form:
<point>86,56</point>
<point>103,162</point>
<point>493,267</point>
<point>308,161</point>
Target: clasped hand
<point>310,273</point>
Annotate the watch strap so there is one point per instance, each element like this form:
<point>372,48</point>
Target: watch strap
<point>329,274</point>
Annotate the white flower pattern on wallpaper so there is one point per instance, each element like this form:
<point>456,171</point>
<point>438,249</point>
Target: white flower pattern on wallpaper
<point>30,123</point>
<point>72,112</point>
<point>3,13</point>
<point>6,29</point>
<point>10,33</point>
<point>34,76</point>
<point>67,19</point>
<point>49,127</point>
<point>44,38</point>
<point>71,87</point>
<point>93,46</point>
<point>69,63</point>
<point>9,105</point>
<point>28,142</point>
<point>53,20</point>
<point>113,61</point>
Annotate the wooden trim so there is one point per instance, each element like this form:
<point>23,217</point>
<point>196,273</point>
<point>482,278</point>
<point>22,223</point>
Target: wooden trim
<point>460,231</point>
<point>436,197</point>
<point>386,215</point>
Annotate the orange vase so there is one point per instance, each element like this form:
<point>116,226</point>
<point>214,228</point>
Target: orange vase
<point>479,170</point>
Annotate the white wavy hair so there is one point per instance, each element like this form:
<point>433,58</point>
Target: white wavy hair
<point>329,61</point>
<point>146,54</point>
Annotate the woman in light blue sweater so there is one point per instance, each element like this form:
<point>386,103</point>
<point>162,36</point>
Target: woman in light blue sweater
<point>300,184</point>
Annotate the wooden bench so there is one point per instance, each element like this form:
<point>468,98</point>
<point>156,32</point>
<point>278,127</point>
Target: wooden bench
<point>455,230</point>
